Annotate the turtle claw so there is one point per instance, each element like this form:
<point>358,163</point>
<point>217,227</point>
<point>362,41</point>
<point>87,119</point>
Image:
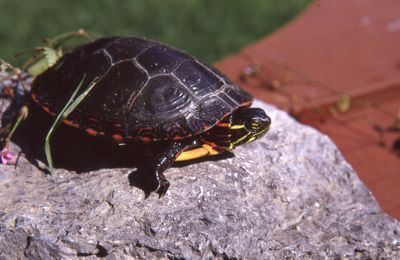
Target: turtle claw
<point>163,185</point>
<point>162,188</point>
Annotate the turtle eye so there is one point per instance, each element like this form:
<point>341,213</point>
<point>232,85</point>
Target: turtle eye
<point>254,124</point>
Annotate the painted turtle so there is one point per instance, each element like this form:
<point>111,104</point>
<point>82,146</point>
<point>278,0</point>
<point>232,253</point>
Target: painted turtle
<point>148,92</point>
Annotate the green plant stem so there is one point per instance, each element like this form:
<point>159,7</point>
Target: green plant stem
<point>67,109</point>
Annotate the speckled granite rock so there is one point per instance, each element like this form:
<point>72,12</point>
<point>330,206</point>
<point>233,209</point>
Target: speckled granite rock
<point>289,195</point>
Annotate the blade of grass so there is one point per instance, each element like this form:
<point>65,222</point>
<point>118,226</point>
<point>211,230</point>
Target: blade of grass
<point>22,115</point>
<point>79,99</point>
<point>67,109</point>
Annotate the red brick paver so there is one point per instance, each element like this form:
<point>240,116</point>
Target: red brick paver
<point>337,48</point>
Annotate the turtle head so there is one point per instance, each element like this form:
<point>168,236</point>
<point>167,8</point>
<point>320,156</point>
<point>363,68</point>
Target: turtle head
<point>247,125</point>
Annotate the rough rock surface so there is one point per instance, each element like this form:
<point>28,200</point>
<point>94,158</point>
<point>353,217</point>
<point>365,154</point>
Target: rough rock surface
<point>289,195</point>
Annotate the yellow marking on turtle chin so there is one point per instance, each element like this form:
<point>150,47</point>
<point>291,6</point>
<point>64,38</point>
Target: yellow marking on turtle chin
<point>205,150</point>
<point>255,136</point>
<point>251,139</point>
<point>234,127</point>
<point>241,139</point>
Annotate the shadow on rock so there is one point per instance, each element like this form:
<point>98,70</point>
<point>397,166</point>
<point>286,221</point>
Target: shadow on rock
<point>74,150</point>
<point>71,148</point>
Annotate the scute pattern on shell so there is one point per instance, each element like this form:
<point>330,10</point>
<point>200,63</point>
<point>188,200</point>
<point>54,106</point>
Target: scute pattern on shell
<point>144,90</point>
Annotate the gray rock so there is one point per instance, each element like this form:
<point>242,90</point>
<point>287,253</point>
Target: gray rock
<point>289,195</point>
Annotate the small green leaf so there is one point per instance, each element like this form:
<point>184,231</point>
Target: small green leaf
<point>38,67</point>
<point>5,66</point>
<point>52,55</point>
<point>48,55</point>
<point>343,104</point>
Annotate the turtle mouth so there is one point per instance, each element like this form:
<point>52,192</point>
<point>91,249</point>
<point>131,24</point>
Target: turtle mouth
<point>244,136</point>
<point>257,135</point>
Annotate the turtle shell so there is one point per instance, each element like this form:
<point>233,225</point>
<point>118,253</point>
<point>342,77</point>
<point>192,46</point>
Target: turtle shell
<point>143,90</point>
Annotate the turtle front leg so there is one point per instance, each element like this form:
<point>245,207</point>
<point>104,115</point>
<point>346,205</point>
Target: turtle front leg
<point>165,160</point>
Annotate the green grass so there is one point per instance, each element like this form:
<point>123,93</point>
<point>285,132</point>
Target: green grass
<point>209,29</point>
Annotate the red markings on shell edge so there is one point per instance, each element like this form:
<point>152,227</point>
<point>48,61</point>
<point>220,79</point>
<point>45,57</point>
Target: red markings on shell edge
<point>247,104</point>
<point>118,138</point>
<point>70,123</point>
<point>146,139</point>
<point>221,124</point>
<point>147,134</point>
<point>178,137</point>
<point>91,131</point>
<point>46,109</point>
<point>34,98</point>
